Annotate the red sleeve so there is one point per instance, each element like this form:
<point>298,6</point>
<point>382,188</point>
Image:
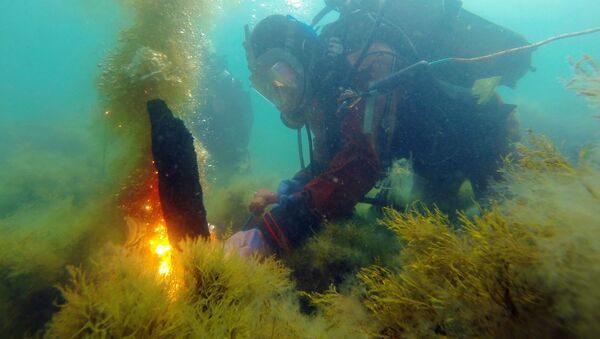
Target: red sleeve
<point>354,170</point>
<point>350,175</point>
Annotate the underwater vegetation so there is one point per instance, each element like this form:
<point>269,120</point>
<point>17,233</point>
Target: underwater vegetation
<point>157,57</point>
<point>227,203</point>
<point>526,267</point>
<point>54,210</point>
<point>209,295</point>
<point>586,81</point>
<point>98,182</point>
<point>476,283</point>
<point>335,255</point>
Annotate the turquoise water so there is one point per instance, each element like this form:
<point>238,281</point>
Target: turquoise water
<point>50,52</point>
<point>51,155</point>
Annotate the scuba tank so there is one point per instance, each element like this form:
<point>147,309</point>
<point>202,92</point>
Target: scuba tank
<point>431,30</point>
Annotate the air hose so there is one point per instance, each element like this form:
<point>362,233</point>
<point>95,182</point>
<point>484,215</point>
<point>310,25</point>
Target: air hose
<point>395,79</point>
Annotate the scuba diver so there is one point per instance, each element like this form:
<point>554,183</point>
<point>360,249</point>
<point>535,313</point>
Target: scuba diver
<point>366,96</point>
<point>224,119</point>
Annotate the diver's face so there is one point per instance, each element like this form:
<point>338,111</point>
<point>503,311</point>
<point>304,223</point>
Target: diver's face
<point>279,77</point>
<point>281,84</point>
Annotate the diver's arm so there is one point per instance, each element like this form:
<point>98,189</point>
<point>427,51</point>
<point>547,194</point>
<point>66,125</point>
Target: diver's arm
<point>352,172</point>
<point>330,195</point>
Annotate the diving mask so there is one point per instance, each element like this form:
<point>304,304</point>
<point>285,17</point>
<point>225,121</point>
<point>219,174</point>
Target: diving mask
<point>280,78</point>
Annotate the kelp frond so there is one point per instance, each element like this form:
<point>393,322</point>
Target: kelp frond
<point>527,267</point>
<point>338,252</point>
<point>346,312</point>
<point>457,283</point>
<point>118,297</point>
<point>226,295</point>
<point>537,166</point>
<point>586,81</point>
<point>209,295</point>
<point>537,153</point>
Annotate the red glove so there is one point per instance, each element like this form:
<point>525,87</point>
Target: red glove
<point>262,198</point>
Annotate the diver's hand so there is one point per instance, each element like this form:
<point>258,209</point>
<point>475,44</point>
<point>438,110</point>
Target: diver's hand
<point>247,243</point>
<point>262,199</point>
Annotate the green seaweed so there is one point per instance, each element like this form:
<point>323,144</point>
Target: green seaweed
<point>209,295</point>
<point>586,81</point>
<point>227,203</point>
<point>57,206</point>
<point>338,252</point>
<point>526,267</point>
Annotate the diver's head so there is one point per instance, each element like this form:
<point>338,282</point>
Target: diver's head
<point>279,51</point>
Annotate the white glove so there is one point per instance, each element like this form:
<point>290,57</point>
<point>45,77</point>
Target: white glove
<point>247,243</point>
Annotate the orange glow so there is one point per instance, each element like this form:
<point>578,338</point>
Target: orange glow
<point>141,202</point>
<point>162,248</point>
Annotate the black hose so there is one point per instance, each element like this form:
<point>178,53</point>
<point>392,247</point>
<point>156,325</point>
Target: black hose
<point>321,15</point>
<point>392,81</point>
<point>310,150</point>
<point>300,151</point>
<point>366,47</point>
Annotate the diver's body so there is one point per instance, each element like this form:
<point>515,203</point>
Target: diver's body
<point>440,126</point>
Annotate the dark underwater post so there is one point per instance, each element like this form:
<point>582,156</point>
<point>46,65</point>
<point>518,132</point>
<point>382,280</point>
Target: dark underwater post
<point>178,179</point>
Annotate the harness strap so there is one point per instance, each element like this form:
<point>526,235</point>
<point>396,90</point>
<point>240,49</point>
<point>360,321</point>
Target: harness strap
<point>281,239</point>
<point>268,226</point>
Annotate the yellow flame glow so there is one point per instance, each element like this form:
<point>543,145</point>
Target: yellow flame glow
<point>162,248</point>
<point>164,268</point>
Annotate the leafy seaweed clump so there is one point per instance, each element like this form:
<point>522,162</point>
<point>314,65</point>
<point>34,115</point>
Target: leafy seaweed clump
<point>527,267</point>
<point>339,251</point>
<point>227,202</point>
<point>209,294</point>
<point>467,283</point>
<point>586,81</point>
